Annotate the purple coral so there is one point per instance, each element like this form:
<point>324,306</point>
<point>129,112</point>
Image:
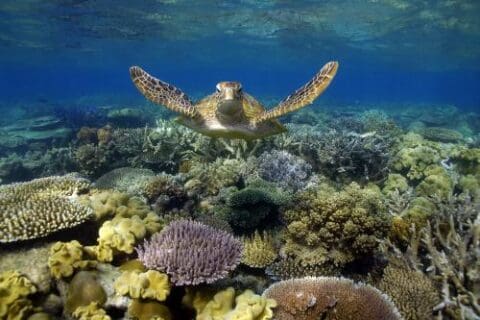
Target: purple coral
<point>289,171</point>
<point>191,253</point>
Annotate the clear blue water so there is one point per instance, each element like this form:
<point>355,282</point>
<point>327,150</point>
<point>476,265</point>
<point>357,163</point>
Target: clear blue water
<point>389,51</point>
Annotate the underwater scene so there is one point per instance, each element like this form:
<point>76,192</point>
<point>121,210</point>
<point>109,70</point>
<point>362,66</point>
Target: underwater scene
<point>239,160</point>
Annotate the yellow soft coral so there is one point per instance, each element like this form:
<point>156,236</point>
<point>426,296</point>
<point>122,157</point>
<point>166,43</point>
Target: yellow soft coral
<point>66,257</point>
<point>14,289</point>
<point>90,312</point>
<point>147,285</point>
<point>119,234</point>
<point>248,306</point>
<point>258,250</point>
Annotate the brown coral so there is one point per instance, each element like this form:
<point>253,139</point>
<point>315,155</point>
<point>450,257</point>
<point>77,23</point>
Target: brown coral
<point>34,209</point>
<point>412,292</point>
<point>258,250</point>
<point>329,298</point>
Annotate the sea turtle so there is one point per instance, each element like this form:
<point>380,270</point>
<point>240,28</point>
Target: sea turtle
<point>230,112</point>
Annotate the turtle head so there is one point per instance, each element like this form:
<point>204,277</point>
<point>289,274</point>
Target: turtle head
<point>230,98</point>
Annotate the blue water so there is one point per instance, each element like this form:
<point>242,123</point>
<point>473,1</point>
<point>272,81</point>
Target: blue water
<point>389,51</point>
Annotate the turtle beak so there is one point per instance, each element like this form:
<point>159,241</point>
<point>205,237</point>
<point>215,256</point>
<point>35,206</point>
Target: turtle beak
<point>229,93</point>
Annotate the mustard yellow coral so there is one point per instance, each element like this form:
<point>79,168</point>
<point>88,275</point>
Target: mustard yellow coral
<point>258,250</point>
<point>224,306</point>
<point>66,257</point>
<point>119,235</point>
<point>90,312</point>
<point>14,291</point>
<point>147,285</point>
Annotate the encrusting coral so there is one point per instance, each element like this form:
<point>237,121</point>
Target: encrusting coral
<point>258,250</point>
<point>329,298</point>
<point>225,306</point>
<point>146,285</point>
<point>34,209</point>
<point>14,291</point>
<point>327,226</point>
<point>191,253</point>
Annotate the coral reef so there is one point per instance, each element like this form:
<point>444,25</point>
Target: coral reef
<point>191,253</point>
<point>258,250</point>
<point>146,285</point>
<point>15,289</point>
<point>286,170</point>
<point>125,179</point>
<point>37,208</point>
<point>440,134</point>
<point>329,298</point>
<point>83,290</point>
<point>224,305</point>
<point>327,226</point>
<point>412,292</point>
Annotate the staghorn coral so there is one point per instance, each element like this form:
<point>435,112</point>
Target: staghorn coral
<point>285,169</point>
<point>258,250</point>
<point>14,291</point>
<point>146,285</point>
<point>412,292</point>
<point>42,206</point>
<point>191,253</point>
<point>329,298</point>
<point>451,243</point>
<point>335,227</point>
<point>225,306</point>
<point>67,257</point>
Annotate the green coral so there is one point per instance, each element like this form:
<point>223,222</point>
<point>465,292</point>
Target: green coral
<point>467,161</point>
<point>339,226</point>
<point>437,183</point>
<point>258,250</point>
<point>247,208</point>
<point>440,134</point>
<point>418,212</point>
<point>147,285</point>
<point>394,182</point>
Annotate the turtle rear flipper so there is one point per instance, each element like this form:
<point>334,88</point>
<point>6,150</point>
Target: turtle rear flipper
<point>305,95</point>
<point>161,92</point>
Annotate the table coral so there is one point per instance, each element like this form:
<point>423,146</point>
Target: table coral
<point>258,250</point>
<point>34,209</point>
<point>329,298</point>
<point>191,253</point>
<point>146,285</point>
<point>339,226</point>
<point>14,291</point>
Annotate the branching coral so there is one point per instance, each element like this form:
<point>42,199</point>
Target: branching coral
<point>329,298</point>
<point>258,250</point>
<point>339,226</point>
<point>453,257</point>
<point>14,291</point>
<point>191,253</point>
<point>146,285</point>
<point>412,292</point>
<point>39,207</point>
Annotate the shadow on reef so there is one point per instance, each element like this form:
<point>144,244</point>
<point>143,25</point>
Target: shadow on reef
<point>378,207</point>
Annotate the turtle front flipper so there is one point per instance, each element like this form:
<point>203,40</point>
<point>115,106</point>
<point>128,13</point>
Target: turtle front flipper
<point>161,92</point>
<point>305,95</point>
